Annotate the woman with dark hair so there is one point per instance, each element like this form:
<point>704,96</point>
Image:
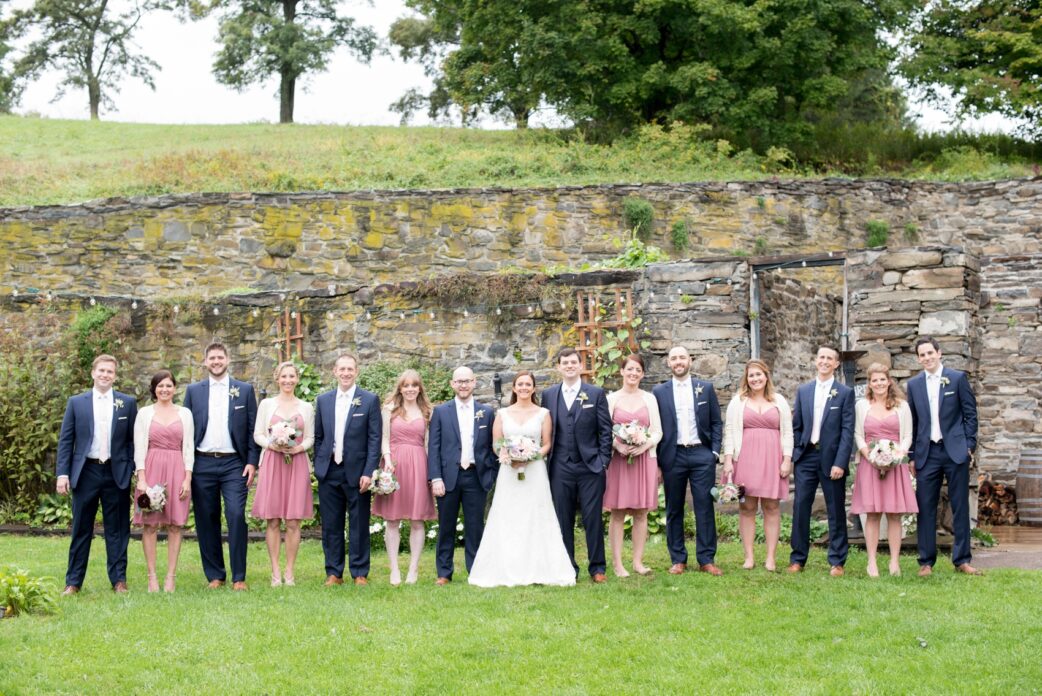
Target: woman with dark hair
<point>522,543</point>
<point>406,418</point>
<point>883,415</point>
<point>632,479</point>
<point>164,452</point>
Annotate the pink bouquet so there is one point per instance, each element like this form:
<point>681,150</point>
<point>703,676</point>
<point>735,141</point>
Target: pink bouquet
<point>284,434</point>
<point>884,455</point>
<point>518,449</point>
<point>153,499</point>
<point>632,433</point>
<point>384,482</point>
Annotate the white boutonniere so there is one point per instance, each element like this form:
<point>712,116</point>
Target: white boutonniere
<point>832,394</point>
<point>233,392</point>
<point>945,381</point>
<point>479,415</point>
<point>583,396</point>
<point>117,403</point>
<point>698,391</point>
<point>357,402</point>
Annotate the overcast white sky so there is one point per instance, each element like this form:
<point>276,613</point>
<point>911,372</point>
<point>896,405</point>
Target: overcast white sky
<point>348,93</point>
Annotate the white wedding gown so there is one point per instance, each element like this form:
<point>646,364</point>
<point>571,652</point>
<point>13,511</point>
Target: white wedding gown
<point>522,543</point>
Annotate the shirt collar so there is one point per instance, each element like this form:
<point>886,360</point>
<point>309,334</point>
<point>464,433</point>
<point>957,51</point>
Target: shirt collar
<point>936,375</point>
<point>826,384</point>
<point>573,387</point>
<point>682,383</point>
<point>102,395</point>
<point>223,381</point>
<point>469,403</point>
<point>349,394</point>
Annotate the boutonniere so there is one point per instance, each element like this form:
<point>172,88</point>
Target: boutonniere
<point>357,402</point>
<point>583,396</point>
<point>233,392</point>
<point>698,390</point>
<point>945,381</point>
<point>117,403</point>
<point>832,394</point>
<point>480,415</point>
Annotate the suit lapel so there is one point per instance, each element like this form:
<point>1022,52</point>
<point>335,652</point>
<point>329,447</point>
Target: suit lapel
<point>205,405</point>
<point>808,407</point>
<point>89,397</point>
<point>454,411</point>
<point>577,404</point>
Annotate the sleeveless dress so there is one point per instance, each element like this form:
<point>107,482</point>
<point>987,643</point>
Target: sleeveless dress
<point>631,486</point>
<point>413,499</point>
<point>164,463</point>
<point>522,543</point>
<point>760,458</point>
<point>284,490</point>
<point>892,494</point>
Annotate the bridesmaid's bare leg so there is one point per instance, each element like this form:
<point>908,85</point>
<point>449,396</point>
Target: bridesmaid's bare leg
<point>173,552</point>
<point>894,533</point>
<point>771,530</point>
<point>416,543</point>
<point>640,538</point>
<point>148,544</point>
<point>292,546</point>
<point>616,532</point>
<point>393,541</point>
<point>272,535</point>
<point>747,528</point>
<point>872,542</point>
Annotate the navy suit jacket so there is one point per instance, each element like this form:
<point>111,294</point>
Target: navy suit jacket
<point>592,423</point>
<point>837,426</point>
<point>707,419</point>
<point>77,434</point>
<point>445,447</point>
<point>242,415</point>
<point>362,435</point>
<point>957,411</point>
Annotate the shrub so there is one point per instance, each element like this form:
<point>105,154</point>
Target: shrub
<point>638,215</point>
<point>878,233</point>
<point>311,383</point>
<point>679,235</point>
<point>93,336</point>
<point>380,378</point>
<point>21,593</point>
<point>54,510</point>
<point>636,254</point>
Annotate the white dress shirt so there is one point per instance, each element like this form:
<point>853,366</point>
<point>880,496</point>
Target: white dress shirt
<point>218,438</point>
<point>465,415</point>
<point>933,391</point>
<point>569,392</point>
<point>343,406</point>
<point>101,444</point>
<point>684,404</point>
<point>821,397</point>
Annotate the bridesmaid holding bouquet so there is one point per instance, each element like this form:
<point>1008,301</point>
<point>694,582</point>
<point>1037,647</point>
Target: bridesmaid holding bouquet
<point>285,429</point>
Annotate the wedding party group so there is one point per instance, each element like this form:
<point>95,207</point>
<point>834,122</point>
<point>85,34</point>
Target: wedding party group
<point>571,449</point>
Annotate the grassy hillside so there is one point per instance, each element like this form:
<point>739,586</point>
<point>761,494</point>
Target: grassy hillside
<point>44,161</point>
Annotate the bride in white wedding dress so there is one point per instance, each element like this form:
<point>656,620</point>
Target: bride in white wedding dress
<point>522,542</point>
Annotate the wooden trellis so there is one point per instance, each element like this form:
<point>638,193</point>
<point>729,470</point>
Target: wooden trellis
<point>290,335</point>
<point>599,311</point>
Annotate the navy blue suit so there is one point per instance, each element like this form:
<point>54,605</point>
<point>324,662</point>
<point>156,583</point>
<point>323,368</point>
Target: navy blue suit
<point>812,465</point>
<point>579,458</point>
<point>690,466</point>
<point>338,484</point>
<point>215,478</point>
<point>467,489</point>
<point>93,483</point>
<point>948,459</point>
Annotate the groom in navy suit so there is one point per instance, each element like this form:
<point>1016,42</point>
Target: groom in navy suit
<point>823,436</point>
<point>579,458</point>
<point>224,411</point>
<point>95,461</point>
<point>461,468</point>
<point>692,431</point>
<point>944,436</point>
<point>348,430</point>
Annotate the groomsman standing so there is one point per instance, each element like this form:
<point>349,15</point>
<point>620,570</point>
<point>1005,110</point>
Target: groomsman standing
<point>579,458</point>
<point>692,430</point>
<point>823,432</point>
<point>944,428</point>
<point>348,428</point>
<point>224,411</point>
<point>461,467</point>
<point>95,461</point>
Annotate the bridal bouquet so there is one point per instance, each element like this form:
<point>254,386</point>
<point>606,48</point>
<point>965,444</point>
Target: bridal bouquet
<point>384,482</point>
<point>153,499</point>
<point>729,492</point>
<point>518,449</point>
<point>884,455</point>
<point>632,433</point>
<point>284,434</point>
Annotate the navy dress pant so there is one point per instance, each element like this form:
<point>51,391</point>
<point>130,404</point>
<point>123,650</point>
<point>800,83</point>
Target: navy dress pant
<point>694,467</point>
<point>95,486</point>
<point>217,479</point>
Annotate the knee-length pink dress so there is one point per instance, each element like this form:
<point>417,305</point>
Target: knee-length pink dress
<point>759,461</point>
<point>892,493</point>
<point>413,499</point>
<point>284,490</point>
<point>631,486</point>
<point>164,463</point>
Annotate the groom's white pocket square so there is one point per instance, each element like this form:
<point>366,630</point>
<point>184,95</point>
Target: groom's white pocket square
<point>238,407</point>
<point>357,415</point>
<point>948,393</point>
<point>587,405</point>
<point>833,408</point>
<point>482,427</point>
<point>122,418</point>
<point>702,403</point>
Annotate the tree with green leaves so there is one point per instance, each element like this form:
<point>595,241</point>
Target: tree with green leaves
<point>285,38</point>
<point>88,41</point>
<point>988,53</point>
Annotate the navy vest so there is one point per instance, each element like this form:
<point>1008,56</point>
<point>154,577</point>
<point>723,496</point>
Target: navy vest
<point>566,447</point>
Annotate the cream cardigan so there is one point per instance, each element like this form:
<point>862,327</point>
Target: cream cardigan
<point>655,429</point>
<point>904,418</point>
<point>385,445</point>
<point>734,425</point>
<point>144,422</point>
<point>267,409</point>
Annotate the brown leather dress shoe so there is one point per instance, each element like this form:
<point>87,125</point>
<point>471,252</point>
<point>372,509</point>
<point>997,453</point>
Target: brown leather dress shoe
<point>836,571</point>
<point>120,588</point>
<point>967,569</point>
<point>711,569</point>
<point>361,580</point>
<point>333,580</point>
<point>677,568</point>
<point>794,568</point>
<point>600,578</point>
<point>70,590</point>
<point>215,584</point>
<point>925,571</point>
<point>442,581</point>
<point>240,586</point>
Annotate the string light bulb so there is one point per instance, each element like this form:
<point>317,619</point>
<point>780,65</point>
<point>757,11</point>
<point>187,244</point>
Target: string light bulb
<point>177,308</point>
<point>216,311</point>
<point>401,315</point>
<point>93,302</point>
<point>255,312</point>
<point>466,313</point>
<point>133,305</point>
<point>293,314</point>
<point>431,314</point>
<point>498,311</point>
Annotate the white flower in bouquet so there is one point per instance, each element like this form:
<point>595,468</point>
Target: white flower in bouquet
<point>884,455</point>
<point>153,499</point>
<point>518,449</point>
<point>384,482</point>
<point>632,433</point>
<point>284,434</point>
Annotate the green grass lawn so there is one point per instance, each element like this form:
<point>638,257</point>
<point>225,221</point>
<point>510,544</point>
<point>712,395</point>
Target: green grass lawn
<point>749,631</point>
<point>45,161</point>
